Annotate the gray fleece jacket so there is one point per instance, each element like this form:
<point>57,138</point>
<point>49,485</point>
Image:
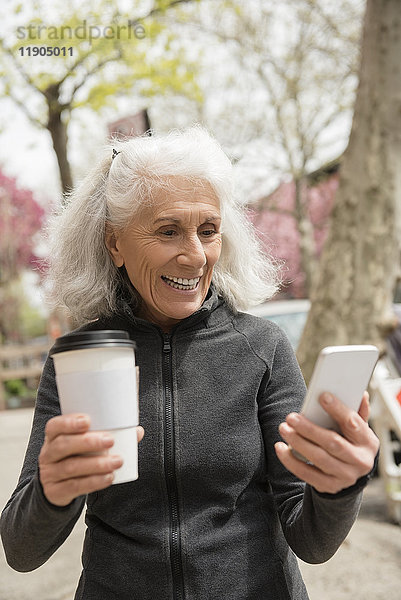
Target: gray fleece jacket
<point>214,515</point>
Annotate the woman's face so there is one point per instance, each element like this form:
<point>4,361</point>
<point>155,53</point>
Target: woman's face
<point>170,249</point>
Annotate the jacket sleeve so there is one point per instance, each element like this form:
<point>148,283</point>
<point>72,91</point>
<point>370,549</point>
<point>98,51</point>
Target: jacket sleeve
<point>31,527</point>
<point>313,524</point>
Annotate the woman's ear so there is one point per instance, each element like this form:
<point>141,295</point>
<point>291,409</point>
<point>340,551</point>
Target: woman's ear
<point>111,241</point>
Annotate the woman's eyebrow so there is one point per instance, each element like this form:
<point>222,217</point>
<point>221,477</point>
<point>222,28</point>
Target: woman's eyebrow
<point>212,217</point>
<point>206,218</point>
<point>174,219</point>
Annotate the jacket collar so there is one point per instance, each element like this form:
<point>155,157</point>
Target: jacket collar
<point>127,307</point>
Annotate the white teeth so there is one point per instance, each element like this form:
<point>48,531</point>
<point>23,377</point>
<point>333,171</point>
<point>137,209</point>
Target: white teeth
<point>181,284</point>
<point>182,280</point>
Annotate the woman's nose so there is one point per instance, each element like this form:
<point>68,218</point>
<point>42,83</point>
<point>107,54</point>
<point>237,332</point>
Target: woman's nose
<point>192,252</point>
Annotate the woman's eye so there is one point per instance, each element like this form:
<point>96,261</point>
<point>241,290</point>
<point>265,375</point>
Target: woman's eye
<point>168,232</point>
<point>208,232</point>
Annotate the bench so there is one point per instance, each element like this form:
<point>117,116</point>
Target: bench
<point>20,362</point>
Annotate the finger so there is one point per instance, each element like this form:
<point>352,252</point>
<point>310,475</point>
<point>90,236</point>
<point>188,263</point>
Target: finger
<point>318,444</point>
<point>352,425</point>
<point>364,409</point>
<point>62,493</point>
<point>326,449</point>
<point>140,432</point>
<point>72,423</point>
<point>315,442</point>
<point>79,466</point>
<point>322,482</point>
<point>65,445</point>
<point>344,471</point>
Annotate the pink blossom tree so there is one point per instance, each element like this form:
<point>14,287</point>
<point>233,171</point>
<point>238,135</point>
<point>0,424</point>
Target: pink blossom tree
<point>21,217</point>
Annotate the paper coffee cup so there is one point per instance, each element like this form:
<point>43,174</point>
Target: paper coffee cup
<point>96,375</point>
<point>126,446</point>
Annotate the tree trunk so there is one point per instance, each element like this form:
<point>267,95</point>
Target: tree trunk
<point>58,131</point>
<point>351,302</point>
<point>307,245</point>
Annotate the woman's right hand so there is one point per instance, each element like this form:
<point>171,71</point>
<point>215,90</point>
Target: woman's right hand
<point>64,473</point>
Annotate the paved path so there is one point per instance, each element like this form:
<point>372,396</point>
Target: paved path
<point>56,579</point>
<point>368,564</point>
<point>366,567</point>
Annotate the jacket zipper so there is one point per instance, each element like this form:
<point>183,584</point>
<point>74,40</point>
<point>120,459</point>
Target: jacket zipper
<point>170,474</point>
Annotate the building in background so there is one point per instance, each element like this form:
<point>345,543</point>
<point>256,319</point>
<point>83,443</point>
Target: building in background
<point>276,219</point>
<point>130,126</point>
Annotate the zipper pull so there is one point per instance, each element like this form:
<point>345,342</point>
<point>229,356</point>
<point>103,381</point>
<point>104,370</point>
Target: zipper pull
<point>166,343</point>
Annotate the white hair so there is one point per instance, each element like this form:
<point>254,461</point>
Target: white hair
<point>81,273</point>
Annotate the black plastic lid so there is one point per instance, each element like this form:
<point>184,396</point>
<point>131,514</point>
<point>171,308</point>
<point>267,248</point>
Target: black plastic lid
<point>102,338</point>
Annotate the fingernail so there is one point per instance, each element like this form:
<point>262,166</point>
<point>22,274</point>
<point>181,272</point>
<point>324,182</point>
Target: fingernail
<point>280,447</point>
<point>82,421</point>
<point>293,419</point>
<point>327,398</point>
<point>107,439</point>
<point>116,461</point>
<point>284,428</point>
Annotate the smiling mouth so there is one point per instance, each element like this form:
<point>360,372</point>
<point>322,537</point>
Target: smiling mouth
<point>180,283</point>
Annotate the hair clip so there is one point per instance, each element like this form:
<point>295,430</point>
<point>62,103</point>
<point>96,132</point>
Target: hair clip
<point>115,153</point>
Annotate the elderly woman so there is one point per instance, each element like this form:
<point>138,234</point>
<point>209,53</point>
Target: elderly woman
<point>153,242</point>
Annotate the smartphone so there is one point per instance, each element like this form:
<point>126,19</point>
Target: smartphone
<point>345,372</point>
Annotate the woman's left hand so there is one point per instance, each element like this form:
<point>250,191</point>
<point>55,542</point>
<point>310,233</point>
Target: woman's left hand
<point>338,461</point>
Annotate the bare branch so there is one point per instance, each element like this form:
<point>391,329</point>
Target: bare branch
<point>77,63</point>
<point>94,70</point>
<point>117,56</point>
<point>277,106</point>
<point>19,67</point>
<point>80,60</point>
<point>23,107</point>
<point>159,10</point>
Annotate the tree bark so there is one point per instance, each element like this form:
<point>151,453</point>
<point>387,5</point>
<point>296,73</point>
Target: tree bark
<point>307,245</point>
<point>351,302</point>
<point>58,131</point>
